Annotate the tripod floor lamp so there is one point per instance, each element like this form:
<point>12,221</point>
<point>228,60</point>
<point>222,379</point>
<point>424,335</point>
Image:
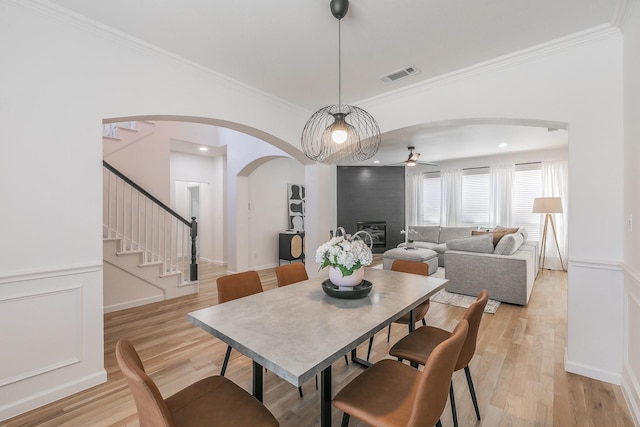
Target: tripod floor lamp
<point>548,206</point>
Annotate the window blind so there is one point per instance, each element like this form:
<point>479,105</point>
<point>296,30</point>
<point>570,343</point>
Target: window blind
<point>526,187</point>
<point>431,196</point>
<point>475,197</point>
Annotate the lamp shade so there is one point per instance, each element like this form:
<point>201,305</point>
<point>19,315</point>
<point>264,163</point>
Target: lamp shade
<point>547,205</point>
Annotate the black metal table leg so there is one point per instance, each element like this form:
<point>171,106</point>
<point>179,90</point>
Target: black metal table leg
<point>257,381</point>
<point>325,397</point>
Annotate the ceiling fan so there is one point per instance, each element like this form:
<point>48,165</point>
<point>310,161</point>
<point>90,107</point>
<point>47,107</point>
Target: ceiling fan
<point>412,160</point>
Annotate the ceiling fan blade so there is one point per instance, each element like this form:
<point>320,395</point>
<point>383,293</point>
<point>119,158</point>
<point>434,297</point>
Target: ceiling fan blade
<point>414,156</point>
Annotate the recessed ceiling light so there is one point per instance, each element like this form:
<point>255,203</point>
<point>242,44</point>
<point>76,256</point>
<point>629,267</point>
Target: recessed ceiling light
<point>204,149</point>
<point>504,144</point>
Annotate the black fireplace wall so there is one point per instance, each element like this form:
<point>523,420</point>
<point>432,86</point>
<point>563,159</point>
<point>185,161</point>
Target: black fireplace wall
<point>372,193</point>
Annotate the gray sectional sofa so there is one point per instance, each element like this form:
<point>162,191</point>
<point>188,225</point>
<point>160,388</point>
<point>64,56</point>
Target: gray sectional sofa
<point>435,238</point>
<point>472,263</point>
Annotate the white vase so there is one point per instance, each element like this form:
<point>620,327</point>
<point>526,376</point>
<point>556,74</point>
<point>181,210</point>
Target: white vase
<point>345,283</point>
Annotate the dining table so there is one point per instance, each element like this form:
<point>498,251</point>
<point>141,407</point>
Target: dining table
<point>299,331</point>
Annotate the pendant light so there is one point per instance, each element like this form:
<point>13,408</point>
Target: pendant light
<point>340,133</point>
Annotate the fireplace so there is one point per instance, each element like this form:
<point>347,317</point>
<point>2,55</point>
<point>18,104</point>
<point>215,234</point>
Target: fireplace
<point>377,230</point>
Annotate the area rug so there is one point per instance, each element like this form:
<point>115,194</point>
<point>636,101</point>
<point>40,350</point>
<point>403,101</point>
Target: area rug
<point>457,300</point>
<point>464,301</point>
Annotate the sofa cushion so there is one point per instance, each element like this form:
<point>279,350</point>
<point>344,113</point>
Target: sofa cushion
<point>448,233</point>
<point>509,244</point>
<point>481,243</point>
<point>497,235</point>
<point>424,233</point>
<point>440,248</point>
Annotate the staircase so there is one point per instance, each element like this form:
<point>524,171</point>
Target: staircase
<point>148,249</point>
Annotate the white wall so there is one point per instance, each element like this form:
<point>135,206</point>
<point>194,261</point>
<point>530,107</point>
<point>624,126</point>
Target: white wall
<point>575,83</point>
<point>631,370</point>
<point>244,154</point>
<point>200,169</point>
<point>269,213</point>
<point>61,77</point>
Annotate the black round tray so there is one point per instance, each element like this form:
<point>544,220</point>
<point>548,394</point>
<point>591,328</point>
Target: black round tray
<point>359,291</point>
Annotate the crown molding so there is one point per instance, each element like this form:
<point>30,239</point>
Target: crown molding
<point>600,32</point>
<point>623,11</point>
<point>81,22</point>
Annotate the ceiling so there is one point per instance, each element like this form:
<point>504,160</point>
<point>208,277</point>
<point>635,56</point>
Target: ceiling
<point>289,49</point>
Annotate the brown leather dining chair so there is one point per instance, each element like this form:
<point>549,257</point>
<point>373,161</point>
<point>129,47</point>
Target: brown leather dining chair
<point>234,286</point>
<point>392,394</point>
<point>291,273</point>
<point>414,267</point>
<point>213,400</point>
<point>418,346</point>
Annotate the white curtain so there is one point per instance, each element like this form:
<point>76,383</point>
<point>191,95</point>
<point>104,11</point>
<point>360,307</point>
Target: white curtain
<point>500,199</point>
<point>415,196</point>
<point>451,204</point>
<point>555,180</point>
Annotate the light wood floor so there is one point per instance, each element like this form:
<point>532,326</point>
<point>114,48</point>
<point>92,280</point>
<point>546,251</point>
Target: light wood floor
<point>517,370</point>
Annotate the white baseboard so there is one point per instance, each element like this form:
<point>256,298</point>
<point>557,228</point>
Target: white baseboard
<point>44,397</point>
<point>590,371</point>
<point>264,266</point>
<point>131,304</point>
<point>631,392</point>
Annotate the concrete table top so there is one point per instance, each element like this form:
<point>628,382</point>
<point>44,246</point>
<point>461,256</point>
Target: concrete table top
<point>297,331</point>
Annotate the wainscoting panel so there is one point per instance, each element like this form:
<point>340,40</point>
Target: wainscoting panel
<point>59,337</point>
<point>51,339</point>
<point>631,373</point>
<point>595,325</point>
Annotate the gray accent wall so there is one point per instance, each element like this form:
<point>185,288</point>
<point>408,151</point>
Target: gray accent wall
<point>372,193</point>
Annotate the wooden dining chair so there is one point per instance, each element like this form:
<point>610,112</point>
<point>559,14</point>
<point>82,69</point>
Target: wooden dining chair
<point>414,267</point>
<point>418,346</point>
<point>291,273</point>
<point>234,286</point>
<point>213,400</point>
<point>392,394</point>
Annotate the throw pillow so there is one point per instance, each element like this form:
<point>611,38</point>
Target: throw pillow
<point>481,243</point>
<point>508,230</point>
<point>509,244</point>
<point>497,235</point>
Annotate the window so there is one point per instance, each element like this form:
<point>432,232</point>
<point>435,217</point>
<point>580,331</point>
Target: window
<point>475,197</point>
<point>526,187</point>
<point>431,196</point>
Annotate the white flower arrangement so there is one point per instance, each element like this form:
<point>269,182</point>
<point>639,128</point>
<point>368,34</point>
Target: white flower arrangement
<point>345,253</point>
<point>408,234</point>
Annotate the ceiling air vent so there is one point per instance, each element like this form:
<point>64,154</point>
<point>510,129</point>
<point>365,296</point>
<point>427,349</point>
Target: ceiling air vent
<point>397,75</point>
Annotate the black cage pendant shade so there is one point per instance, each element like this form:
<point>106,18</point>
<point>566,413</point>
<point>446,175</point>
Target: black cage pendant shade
<point>340,133</point>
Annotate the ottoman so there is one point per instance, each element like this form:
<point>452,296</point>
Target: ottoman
<point>423,255</point>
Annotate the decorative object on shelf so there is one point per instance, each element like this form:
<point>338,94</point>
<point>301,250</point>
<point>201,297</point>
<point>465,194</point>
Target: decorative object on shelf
<point>340,133</point>
<point>346,256</point>
<point>359,291</point>
<point>296,196</point>
<point>548,206</point>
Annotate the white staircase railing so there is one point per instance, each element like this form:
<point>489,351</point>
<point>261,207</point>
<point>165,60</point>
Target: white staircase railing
<point>145,224</point>
<point>111,129</point>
